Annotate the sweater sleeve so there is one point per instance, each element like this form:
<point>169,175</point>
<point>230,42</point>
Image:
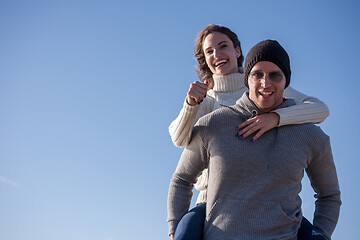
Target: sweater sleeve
<point>322,174</point>
<point>180,129</point>
<point>192,161</point>
<point>307,109</point>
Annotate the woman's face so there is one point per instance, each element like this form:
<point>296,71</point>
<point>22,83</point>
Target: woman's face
<point>220,54</point>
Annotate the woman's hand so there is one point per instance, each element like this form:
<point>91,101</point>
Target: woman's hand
<point>172,236</point>
<point>261,123</point>
<point>196,93</point>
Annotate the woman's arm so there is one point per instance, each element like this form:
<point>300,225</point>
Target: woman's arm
<point>307,110</point>
<point>193,108</point>
<point>180,129</point>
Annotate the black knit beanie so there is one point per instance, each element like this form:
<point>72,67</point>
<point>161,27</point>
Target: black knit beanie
<point>271,51</point>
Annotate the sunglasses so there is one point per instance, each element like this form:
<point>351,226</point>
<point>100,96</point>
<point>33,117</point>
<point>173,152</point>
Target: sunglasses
<point>257,76</point>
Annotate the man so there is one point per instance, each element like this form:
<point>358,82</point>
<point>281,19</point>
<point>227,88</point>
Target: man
<point>254,185</point>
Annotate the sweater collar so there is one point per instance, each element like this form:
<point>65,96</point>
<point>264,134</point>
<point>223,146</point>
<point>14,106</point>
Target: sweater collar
<point>246,107</point>
<point>228,83</point>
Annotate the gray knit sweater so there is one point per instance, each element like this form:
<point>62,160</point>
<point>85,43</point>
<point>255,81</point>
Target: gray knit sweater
<point>253,189</point>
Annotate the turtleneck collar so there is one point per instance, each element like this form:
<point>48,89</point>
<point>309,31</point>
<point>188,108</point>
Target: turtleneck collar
<point>228,83</point>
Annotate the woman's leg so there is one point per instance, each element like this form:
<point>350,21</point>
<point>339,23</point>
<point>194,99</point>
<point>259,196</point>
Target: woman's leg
<point>308,232</point>
<point>191,226</point>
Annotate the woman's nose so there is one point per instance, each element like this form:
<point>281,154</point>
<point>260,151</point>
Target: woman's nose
<point>216,53</point>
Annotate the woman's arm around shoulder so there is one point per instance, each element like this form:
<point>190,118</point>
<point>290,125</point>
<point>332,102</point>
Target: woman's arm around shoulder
<point>307,109</point>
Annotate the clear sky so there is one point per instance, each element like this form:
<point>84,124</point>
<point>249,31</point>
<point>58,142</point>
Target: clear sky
<point>89,87</point>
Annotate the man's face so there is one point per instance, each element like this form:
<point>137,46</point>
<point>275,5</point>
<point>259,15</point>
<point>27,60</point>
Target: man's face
<point>266,85</point>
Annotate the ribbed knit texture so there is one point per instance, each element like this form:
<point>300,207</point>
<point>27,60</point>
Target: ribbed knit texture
<point>228,83</point>
<point>253,186</point>
<point>226,91</point>
<point>307,109</point>
<point>268,50</point>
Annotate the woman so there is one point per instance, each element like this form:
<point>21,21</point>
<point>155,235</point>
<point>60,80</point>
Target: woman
<point>220,58</point>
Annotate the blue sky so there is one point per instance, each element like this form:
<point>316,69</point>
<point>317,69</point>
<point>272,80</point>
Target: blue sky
<point>88,89</point>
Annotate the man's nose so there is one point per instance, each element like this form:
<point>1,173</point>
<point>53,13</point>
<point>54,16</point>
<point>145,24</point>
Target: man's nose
<point>265,81</point>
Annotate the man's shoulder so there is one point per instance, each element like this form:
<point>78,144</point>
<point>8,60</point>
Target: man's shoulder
<point>308,132</point>
<point>217,115</point>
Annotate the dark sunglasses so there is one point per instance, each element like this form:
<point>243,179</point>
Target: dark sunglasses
<point>257,76</point>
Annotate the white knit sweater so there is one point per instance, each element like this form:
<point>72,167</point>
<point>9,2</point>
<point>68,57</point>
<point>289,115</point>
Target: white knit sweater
<point>226,91</point>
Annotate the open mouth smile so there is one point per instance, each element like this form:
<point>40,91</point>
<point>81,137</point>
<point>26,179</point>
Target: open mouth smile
<point>266,94</point>
<point>220,63</point>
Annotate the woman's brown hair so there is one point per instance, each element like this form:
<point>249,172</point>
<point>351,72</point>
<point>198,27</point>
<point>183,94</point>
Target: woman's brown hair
<point>202,69</point>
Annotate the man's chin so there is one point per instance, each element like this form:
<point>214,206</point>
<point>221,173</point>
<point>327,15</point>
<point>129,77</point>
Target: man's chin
<point>266,107</point>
